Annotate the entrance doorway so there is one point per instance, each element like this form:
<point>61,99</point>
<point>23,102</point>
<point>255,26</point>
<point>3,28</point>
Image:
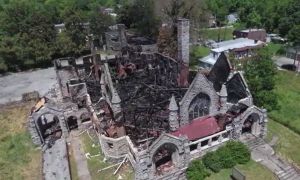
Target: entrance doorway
<point>251,125</point>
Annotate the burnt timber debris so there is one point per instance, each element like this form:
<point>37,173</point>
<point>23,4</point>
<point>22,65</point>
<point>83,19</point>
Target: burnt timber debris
<point>147,107</point>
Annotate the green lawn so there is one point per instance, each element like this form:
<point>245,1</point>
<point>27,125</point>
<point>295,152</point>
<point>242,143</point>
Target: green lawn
<point>19,158</point>
<point>200,51</point>
<point>96,163</point>
<point>73,166</point>
<point>288,143</point>
<point>214,34</point>
<point>288,90</point>
<point>252,171</point>
<point>275,48</point>
<point>197,52</point>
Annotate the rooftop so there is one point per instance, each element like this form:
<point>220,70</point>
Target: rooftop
<point>199,128</point>
<point>249,30</point>
<point>235,44</point>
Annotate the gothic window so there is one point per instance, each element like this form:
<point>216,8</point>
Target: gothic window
<point>199,106</point>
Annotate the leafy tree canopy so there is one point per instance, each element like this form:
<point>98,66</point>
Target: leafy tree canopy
<point>260,73</point>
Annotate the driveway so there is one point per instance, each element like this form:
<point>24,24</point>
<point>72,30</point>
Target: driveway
<point>14,85</point>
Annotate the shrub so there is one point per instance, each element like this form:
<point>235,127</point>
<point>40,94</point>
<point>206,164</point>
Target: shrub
<point>227,156</point>
<point>197,171</point>
<point>212,161</point>
<point>239,152</point>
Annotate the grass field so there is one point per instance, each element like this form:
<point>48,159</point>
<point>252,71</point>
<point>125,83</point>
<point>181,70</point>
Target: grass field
<point>215,34</point>
<point>19,158</point>
<point>288,143</point>
<point>96,163</point>
<point>196,53</point>
<point>288,90</point>
<point>73,166</point>
<point>252,171</point>
<point>275,48</point>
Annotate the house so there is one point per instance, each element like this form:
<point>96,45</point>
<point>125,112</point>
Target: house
<point>61,27</point>
<point>241,47</point>
<point>212,21</point>
<point>109,11</point>
<point>254,34</point>
<point>232,18</point>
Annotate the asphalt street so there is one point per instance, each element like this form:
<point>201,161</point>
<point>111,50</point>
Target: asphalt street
<point>14,85</point>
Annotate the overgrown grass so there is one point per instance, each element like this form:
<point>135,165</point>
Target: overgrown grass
<point>96,163</point>
<point>275,49</point>
<point>215,34</point>
<point>288,143</point>
<point>288,90</point>
<point>19,158</point>
<point>73,165</point>
<point>199,51</point>
<point>252,171</point>
<point>196,53</point>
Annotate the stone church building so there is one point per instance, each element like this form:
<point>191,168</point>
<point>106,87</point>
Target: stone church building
<point>149,108</point>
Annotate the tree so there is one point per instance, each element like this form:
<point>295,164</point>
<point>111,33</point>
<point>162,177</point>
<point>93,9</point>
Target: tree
<point>29,35</point>
<point>253,20</point>
<point>99,23</point>
<point>197,171</point>
<point>285,24</point>
<point>64,46</point>
<point>140,15</point>
<point>294,35</point>
<point>76,28</point>
<point>260,73</point>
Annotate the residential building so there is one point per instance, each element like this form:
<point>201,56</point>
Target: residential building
<point>255,34</point>
<point>241,47</point>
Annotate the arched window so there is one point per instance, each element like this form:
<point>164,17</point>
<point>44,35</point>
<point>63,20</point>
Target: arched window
<point>199,106</point>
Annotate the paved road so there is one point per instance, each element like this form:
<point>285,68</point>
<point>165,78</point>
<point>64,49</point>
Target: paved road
<point>14,85</point>
<point>55,162</point>
<point>280,60</point>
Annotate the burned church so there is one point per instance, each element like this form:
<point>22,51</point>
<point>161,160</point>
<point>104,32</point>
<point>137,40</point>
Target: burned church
<point>148,107</point>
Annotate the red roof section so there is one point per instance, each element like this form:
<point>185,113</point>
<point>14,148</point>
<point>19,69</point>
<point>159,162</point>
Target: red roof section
<point>198,128</point>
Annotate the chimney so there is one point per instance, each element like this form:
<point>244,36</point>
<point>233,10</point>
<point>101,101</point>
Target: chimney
<point>122,35</point>
<point>183,54</point>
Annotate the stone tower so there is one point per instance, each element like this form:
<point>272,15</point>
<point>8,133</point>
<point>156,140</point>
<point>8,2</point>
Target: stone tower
<point>173,114</point>
<point>122,35</point>
<point>183,54</point>
<point>223,99</point>
<point>116,104</point>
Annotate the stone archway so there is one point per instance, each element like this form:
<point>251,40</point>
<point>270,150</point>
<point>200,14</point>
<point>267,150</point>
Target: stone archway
<point>251,125</point>
<point>165,159</point>
<point>49,126</point>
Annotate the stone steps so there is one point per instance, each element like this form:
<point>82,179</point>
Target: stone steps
<point>288,173</point>
<point>254,143</point>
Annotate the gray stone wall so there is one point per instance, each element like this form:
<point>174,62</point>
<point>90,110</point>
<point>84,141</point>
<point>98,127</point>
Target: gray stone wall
<point>114,148</point>
<point>183,38</point>
<point>199,85</point>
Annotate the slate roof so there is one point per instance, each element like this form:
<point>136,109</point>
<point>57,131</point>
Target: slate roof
<point>199,128</point>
